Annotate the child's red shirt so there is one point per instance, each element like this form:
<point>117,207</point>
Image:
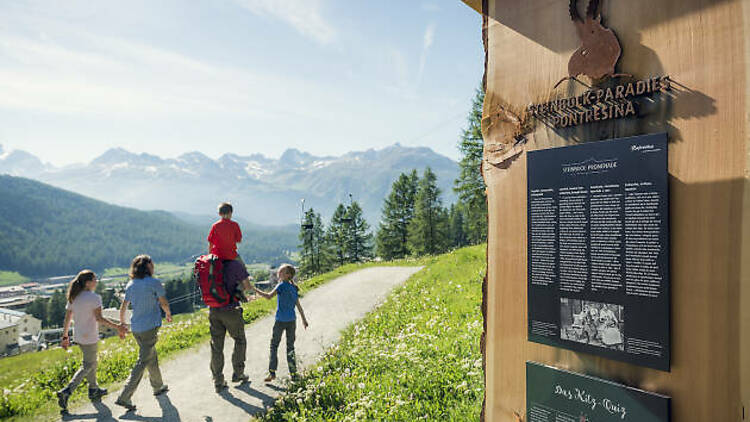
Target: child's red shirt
<point>223,237</point>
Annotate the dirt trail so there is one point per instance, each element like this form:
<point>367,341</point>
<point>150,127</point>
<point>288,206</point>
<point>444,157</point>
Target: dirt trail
<point>329,309</point>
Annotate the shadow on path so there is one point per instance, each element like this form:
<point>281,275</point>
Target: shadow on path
<point>103,414</point>
<point>168,412</point>
<point>263,397</point>
<point>276,388</point>
<point>246,407</point>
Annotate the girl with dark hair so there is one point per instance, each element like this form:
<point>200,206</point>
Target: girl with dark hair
<point>85,308</point>
<point>147,295</point>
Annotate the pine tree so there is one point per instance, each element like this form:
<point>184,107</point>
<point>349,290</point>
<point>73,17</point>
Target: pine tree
<point>457,234</point>
<point>337,234</point>
<point>109,299</point>
<point>398,211</point>
<point>315,258</point>
<point>470,185</point>
<point>38,309</point>
<point>56,309</point>
<point>359,241</point>
<point>428,230</point>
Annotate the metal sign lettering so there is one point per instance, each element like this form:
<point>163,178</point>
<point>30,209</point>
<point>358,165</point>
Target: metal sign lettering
<point>598,104</point>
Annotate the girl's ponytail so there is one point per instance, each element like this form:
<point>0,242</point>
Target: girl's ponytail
<point>78,284</point>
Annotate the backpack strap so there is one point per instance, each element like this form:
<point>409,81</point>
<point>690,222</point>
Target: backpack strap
<point>212,278</point>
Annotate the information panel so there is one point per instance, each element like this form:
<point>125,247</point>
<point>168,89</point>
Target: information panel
<point>554,395</point>
<point>598,249</point>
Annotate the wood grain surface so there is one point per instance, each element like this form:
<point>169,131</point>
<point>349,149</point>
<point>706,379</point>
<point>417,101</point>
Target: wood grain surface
<point>703,46</point>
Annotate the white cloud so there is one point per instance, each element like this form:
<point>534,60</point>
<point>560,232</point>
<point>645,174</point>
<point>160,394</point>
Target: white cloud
<point>429,6</point>
<point>304,15</point>
<point>427,41</point>
<point>429,36</point>
<point>103,75</point>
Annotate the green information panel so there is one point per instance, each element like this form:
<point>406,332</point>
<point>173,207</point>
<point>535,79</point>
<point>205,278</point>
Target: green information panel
<point>554,395</point>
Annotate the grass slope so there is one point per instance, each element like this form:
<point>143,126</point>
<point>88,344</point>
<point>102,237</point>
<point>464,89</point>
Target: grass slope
<point>28,382</point>
<point>416,357</point>
<point>9,278</point>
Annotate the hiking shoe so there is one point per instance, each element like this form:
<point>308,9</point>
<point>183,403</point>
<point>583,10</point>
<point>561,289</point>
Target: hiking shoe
<point>62,399</point>
<point>242,378</point>
<point>97,393</point>
<point>161,390</point>
<point>221,386</point>
<point>126,404</point>
<point>270,377</point>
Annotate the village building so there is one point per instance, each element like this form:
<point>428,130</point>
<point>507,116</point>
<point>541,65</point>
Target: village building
<point>13,324</point>
<point>25,322</point>
<point>17,303</point>
<point>11,291</point>
<point>8,335</point>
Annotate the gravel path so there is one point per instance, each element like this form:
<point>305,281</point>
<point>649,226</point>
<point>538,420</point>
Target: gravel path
<point>329,309</point>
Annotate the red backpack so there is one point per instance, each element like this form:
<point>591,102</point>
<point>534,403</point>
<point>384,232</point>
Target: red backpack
<point>209,274</point>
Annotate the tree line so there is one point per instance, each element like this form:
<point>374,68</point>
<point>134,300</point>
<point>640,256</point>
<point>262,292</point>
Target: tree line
<point>414,221</point>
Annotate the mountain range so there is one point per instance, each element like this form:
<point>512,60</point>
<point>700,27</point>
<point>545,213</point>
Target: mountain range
<point>263,190</point>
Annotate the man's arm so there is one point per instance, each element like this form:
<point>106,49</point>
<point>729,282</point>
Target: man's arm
<point>264,294</point>
<point>165,307</point>
<point>209,248</point>
<point>246,283</point>
<point>66,327</point>
<point>302,314</point>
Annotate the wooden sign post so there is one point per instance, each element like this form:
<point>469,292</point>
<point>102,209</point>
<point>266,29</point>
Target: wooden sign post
<point>698,51</point>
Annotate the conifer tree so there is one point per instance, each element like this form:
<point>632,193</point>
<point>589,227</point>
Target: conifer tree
<point>314,257</point>
<point>457,234</point>
<point>398,211</point>
<point>337,235</point>
<point>38,309</point>
<point>428,230</point>
<point>359,241</point>
<point>470,185</point>
<point>56,309</point>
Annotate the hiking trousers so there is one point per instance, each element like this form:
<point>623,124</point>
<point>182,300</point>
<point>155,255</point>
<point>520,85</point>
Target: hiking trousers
<point>147,359</point>
<point>221,322</point>
<point>280,327</point>
<point>87,369</point>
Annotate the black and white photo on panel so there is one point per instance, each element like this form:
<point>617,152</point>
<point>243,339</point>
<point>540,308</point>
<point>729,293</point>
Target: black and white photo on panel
<point>593,323</point>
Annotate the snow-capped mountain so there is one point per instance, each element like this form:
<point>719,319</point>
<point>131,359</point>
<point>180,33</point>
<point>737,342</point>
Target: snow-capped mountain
<point>264,190</point>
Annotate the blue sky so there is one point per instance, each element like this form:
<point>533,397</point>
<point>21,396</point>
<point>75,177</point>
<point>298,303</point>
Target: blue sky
<point>241,76</point>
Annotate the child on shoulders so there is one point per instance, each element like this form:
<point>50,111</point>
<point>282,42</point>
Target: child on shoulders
<point>223,238</point>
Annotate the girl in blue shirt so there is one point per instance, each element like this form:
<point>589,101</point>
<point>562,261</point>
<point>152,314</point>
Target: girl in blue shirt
<point>285,320</point>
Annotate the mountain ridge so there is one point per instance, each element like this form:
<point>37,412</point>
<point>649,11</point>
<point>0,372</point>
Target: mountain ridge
<point>268,190</point>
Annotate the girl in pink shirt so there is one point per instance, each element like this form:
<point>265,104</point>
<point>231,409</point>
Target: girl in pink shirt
<point>85,308</point>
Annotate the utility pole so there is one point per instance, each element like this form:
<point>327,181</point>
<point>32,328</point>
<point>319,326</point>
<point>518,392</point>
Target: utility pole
<point>308,229</point>
<point>354,230</point>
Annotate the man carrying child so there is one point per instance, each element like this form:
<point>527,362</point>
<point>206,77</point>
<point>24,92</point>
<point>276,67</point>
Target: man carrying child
<point>222,242</point>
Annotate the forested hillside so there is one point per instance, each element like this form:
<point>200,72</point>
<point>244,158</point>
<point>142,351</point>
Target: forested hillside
<point>50,231</point>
